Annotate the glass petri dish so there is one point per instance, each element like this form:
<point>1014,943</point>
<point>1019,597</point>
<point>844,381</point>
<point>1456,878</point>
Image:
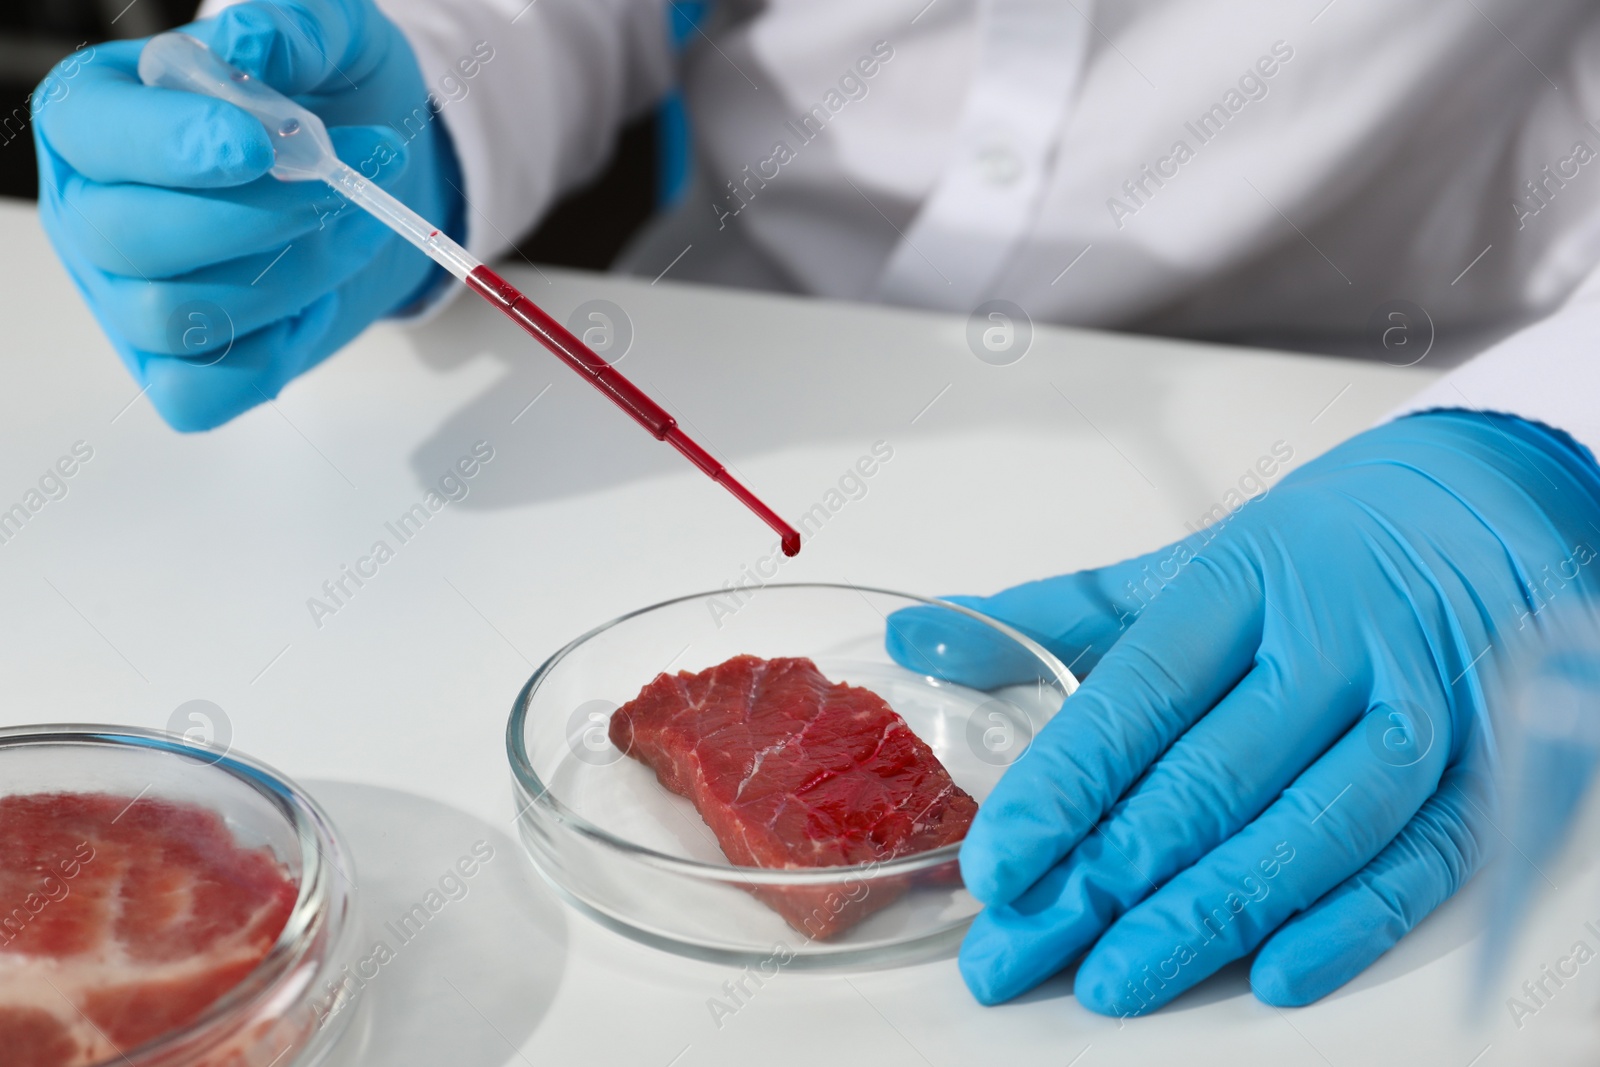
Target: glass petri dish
<point>622,849</point>
<point>296,1002</point>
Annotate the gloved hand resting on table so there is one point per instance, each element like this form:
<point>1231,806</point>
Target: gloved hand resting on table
<point>1282,742</point>
<point>160,204</point>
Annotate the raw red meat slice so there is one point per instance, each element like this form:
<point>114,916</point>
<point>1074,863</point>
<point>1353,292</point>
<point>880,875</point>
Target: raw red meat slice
<point>791,770</point>
<point>123,919</point>
<point>35,1038</point>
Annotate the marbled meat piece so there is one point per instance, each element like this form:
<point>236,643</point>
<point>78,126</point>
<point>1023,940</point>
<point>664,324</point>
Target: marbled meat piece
<point>791,770</point>
<point>121,920</point>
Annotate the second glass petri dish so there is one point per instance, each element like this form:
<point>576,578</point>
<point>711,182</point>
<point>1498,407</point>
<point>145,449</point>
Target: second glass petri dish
<point>118,819</point>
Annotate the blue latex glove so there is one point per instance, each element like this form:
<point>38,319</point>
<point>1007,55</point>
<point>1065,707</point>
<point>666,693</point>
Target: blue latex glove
<point>160,205</point>
<point>1282,741</point>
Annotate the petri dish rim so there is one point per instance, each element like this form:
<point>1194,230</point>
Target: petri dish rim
<point>536,792</point>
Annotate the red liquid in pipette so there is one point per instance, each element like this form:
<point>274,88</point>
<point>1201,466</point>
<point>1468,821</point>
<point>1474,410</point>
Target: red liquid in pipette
<point>627,396</point>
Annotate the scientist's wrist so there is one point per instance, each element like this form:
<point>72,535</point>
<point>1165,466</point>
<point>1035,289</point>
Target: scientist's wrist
<point>1516,446</point>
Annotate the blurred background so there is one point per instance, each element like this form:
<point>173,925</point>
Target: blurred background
<point>587,229</point>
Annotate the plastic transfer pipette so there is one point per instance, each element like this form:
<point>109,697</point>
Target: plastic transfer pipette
<point>304,153</point>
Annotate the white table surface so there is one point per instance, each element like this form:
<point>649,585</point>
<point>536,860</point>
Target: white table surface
<point>178,567</point>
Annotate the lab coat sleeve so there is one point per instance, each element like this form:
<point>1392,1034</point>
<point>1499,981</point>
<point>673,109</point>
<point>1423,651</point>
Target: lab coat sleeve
<point>542,115</point>
<point>532,93</point>
<point>1547,372</point>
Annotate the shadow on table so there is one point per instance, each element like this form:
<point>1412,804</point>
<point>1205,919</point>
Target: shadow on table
<point>468,984</point>
<point>862,378</point>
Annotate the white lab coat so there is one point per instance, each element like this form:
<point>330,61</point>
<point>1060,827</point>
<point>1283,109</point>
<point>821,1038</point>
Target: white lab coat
<point>1275,171</point>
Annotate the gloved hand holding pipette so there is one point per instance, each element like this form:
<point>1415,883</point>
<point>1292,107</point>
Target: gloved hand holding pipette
<point>300,149</point>
<point>161,206</point>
